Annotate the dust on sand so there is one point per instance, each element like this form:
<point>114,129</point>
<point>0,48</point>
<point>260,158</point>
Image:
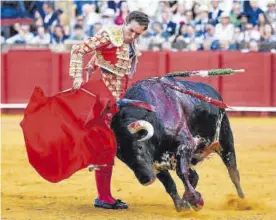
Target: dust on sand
<point>25,195</point>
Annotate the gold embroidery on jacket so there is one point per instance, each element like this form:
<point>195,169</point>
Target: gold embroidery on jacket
<point>123,52</point>
<point>117,70</point>
<point>116,35</point>
<point>78,51</point>
<point>114,84</point>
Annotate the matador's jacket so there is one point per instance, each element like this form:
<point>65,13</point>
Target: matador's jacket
<point>116,59</point>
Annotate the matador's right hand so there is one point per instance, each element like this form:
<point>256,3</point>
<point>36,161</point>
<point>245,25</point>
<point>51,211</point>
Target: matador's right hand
<point>77,82</point>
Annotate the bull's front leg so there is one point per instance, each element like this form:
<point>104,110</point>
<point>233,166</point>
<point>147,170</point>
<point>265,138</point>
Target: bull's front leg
<point>182,169</point>
<point>165,178</point>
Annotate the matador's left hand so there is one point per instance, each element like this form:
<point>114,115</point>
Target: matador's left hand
<point>77,82</point>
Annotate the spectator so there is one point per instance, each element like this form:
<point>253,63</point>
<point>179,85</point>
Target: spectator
<point>206,45</point>
<point>24,35</point>
<point>96,27</point>
<point>41,37</point>
<point>90,17</point>
<point>187,34</point>
<point>249,34</point>
<point>120,19</point>
<point>209,33</point>
<point>215,12</point>
<point>78,6</point>
<point>158,36</point>
<point>267,35</point>
<point>172,6</point>
<point>193,47</point>
<point>59,21</point>
<point>190,36</point>
<point>115,5</point>
<point>144,40</point>
<point>108,17</point>
<point>155,48</point>
<point>49,15</point>
<point>179,41</point>
<point>235,14</point>
<point>58,36</point>
<point>225,45</point>
<point>3,40</point>
<point>167,46</point>
<point>38,21</point>
<point>168,26</point>
<point>195,10</point>
<point>253,12</point>
<point>262,21</point>
<point>189,18</point>
<point>179,16</point>
<point>78,33</point>
<point>78,20</point>
<point>271,13</point>
<point>224,30</point>
<point>244,19</point>
<point>203,20</point>
<point>150,7</point>
<point>253,46</point>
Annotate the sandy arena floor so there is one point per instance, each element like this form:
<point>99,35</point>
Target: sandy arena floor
<point>25,195</point>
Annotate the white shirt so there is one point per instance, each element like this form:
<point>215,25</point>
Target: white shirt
<point>46,39</point>
<point>247,36</point>
<point>215,13</point>
<point>48,17</point>
<point>27,38</point>
<point>224,33</point>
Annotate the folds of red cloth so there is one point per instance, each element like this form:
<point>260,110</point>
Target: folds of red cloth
<point>65,133</point>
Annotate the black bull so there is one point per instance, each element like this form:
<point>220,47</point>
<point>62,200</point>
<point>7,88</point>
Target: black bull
<point>181,132</point>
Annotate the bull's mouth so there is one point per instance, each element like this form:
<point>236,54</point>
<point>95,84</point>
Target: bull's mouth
<point>150,182</point>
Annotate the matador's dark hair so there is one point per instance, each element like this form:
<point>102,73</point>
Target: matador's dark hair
<point>141,18</point>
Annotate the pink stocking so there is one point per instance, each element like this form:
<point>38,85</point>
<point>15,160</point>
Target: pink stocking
<point>103,181</point>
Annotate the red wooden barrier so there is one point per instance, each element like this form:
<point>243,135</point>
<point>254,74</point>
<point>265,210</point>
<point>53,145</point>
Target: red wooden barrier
<point>3,79</point>
<point>65,80</point>
<point>273,80</point>
<point>24,71</point>
<point>179,61</point>
<point>251,88</point>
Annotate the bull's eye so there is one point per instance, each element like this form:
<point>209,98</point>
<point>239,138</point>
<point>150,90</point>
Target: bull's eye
<point>142,133</point>
<point>140,148</point>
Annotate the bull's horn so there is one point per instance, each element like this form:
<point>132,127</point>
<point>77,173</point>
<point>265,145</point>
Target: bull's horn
<point>136,126</point>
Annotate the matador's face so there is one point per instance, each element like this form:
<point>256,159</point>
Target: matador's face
<point>132,31</point>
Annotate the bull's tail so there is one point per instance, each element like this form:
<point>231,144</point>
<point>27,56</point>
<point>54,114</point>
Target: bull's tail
<point>228,155</point>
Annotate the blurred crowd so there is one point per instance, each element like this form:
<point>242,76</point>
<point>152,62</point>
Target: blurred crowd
<point>184,25</point>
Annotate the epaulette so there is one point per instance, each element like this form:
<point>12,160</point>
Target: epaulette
<point>115,34</point>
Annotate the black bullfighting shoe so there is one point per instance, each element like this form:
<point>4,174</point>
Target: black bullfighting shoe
<point>118,204</point>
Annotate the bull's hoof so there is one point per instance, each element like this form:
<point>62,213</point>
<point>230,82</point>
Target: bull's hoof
<point>198,206</point>
<point>181,205</point>
<point>194,200</point>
